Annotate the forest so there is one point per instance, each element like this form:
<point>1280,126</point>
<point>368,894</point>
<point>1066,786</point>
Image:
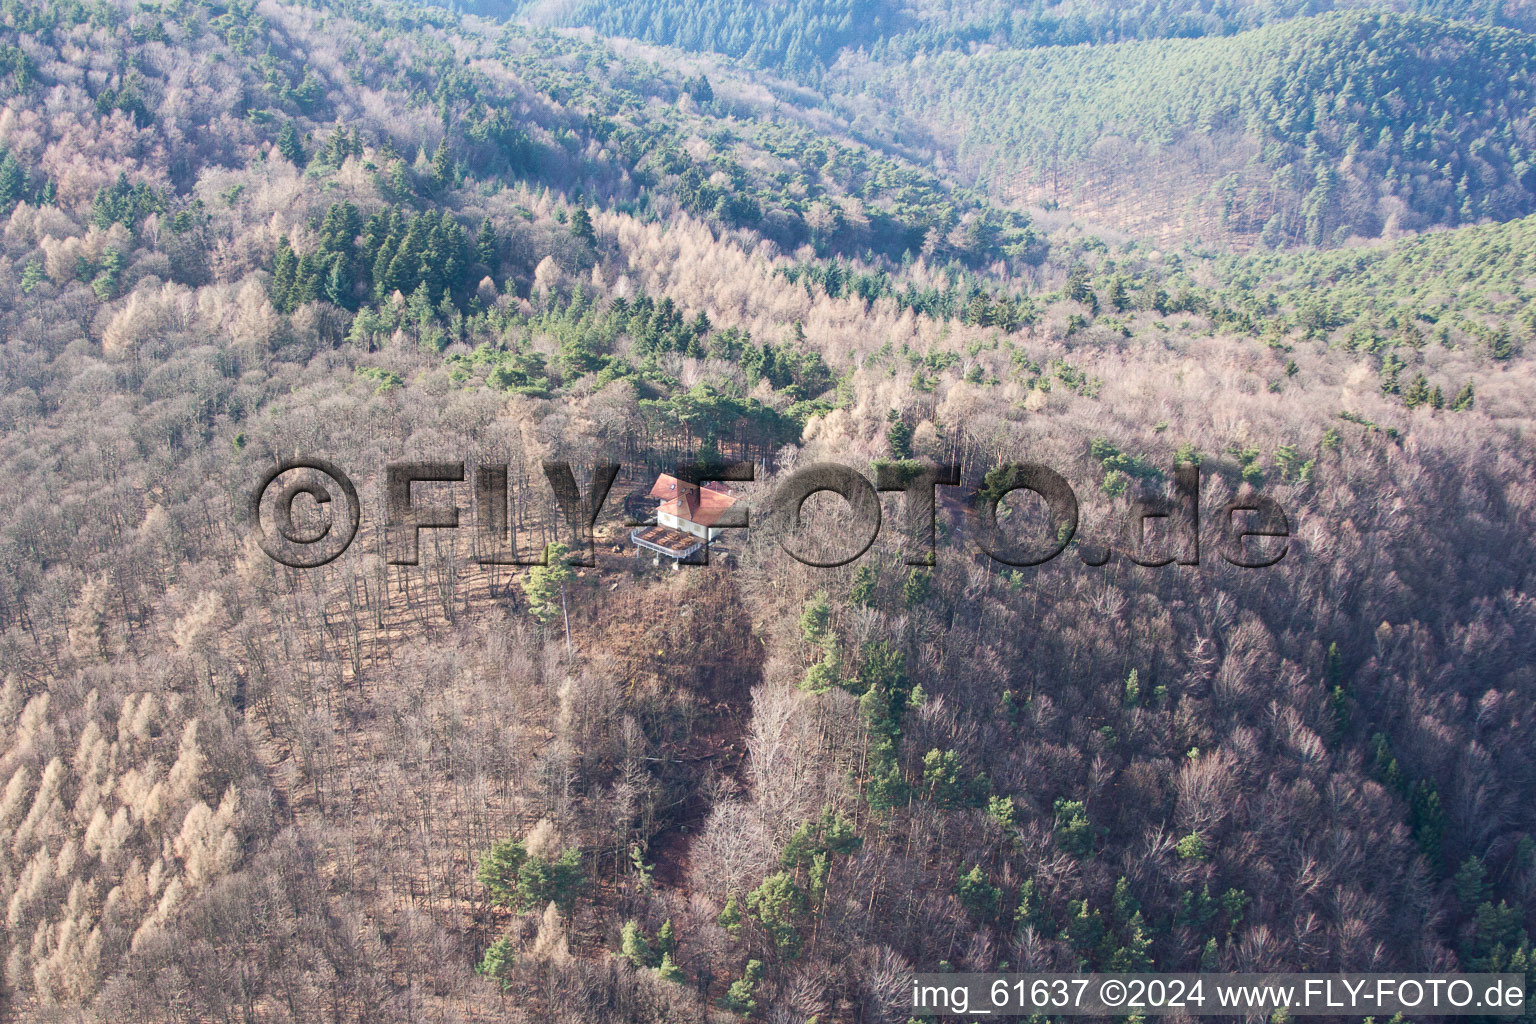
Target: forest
<point>803,38</point>
<point>1345,125</point>
<point>235,233</point>
<point>1266,124</point>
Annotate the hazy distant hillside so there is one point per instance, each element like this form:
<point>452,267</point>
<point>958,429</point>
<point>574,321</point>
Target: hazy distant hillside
<point>1308,131</point>
<point>1247,121</point>
<point>965,23</point>
<point>803,37</point>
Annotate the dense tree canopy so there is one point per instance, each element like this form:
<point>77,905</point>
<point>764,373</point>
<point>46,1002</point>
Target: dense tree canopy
<point>477,788</point>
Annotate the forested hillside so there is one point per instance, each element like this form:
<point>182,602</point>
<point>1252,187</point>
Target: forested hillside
<point>1274,124</point>
<point>802,38</point>
<point>459,791</point>
<point>1314,130</point>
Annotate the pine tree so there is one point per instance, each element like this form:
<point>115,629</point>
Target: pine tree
<point>730,915</point>
<point>1001,810</point>
<point>1124,903</point>
<point>1074,832</point>
<point>741,997</point>
<point>1119,298</point>
<point>1469,882</point>
<point>1234,902</point>
<point>1192,847</point>
<point>338,283</point>
<point>942,777</point>
<point>1080,289</point>
<point>1210,957</point>
<point>112,263</point>
<point>340,228</point>
<point>917,587</point>
<point>863,590</point>
<point>284,272</point>
<point>1426,817</point>
<point>699,89</point>
<point>498,870</point>
<point>666,937</point>
<point>485,244</point>
<point>581,226</point>
<point>886,787</point>
<point>776,903</point>
<point>633,945</point>
<point>1136,952</point>
<point>1333,668</point>
<point>558,881</point>
<point>1031,910</point>
<point>1338,706</point>
<point>289,144</point>
<point>815,618</point>
<point>405,269</point>
<point>13,182</point>
<point>978,895</point>
<point>669,971</point>
<point>498,961</point>
<point>399,183</point>
<point>442,167</point>
<point>383,266</point>
<point>418,306</point>
<point>545,584</point>
<point>1085,927</point>
<point>32,275</point>
<point>306,281</point>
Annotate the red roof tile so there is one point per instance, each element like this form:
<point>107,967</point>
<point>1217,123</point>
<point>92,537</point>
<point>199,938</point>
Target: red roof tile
<point>702,505</point>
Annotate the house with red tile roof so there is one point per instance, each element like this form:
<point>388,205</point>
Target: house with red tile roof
<point>685,519</point>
